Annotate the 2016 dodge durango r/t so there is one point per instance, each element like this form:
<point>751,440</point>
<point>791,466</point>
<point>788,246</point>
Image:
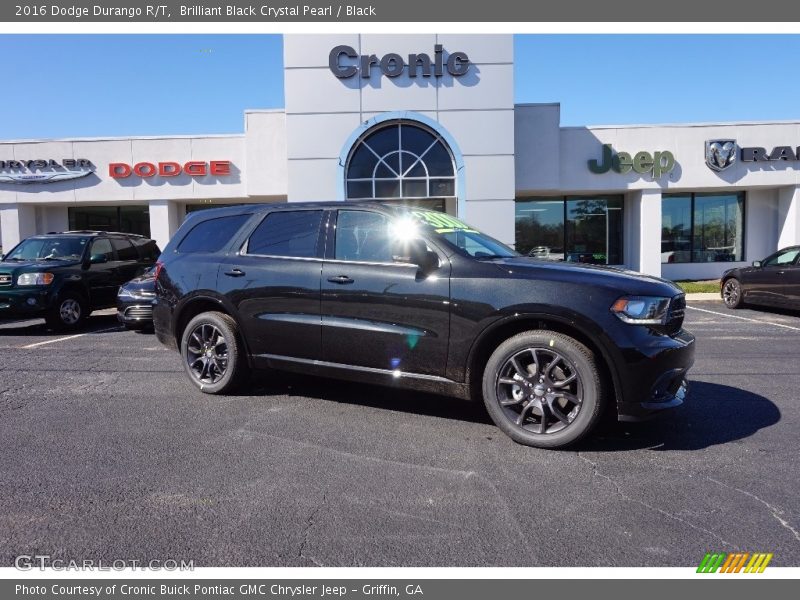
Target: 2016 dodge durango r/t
<point>418,299</point>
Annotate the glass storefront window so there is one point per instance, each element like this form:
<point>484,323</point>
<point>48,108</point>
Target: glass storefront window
<point>594,230</point>
<point>126,219</point>
<point>190,208</point>
<point>702,228</point>
<point>539,226</point>
<point>577,229</point>
<point>676,229</point>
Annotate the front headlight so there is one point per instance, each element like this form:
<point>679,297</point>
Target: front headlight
<point>642,310</point>
<point>35,279</point>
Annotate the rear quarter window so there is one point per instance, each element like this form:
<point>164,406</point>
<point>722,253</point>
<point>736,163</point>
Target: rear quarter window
<point>211,235</point>
<point>125,250</point>
<point>148,249</point>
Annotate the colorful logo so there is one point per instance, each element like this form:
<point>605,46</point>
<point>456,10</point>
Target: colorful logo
<point>736,562</point>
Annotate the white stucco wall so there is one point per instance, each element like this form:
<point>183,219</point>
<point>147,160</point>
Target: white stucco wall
<point>476,109</point>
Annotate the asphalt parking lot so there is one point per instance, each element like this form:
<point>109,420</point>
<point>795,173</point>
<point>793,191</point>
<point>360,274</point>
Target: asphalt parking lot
<point>106,452</point>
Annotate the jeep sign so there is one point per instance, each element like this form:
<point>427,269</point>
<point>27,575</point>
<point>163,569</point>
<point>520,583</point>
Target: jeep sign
<point>659,163</point>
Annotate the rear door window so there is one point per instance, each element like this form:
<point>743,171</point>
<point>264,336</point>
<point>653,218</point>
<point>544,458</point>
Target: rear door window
<point>103,246</point>
<point>212,235</point>
<point>293,234</point>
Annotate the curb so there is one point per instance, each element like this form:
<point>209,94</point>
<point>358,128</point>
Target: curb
<point>703,296</point>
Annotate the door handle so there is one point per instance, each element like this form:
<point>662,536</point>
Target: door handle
<point>236,272</point>
<point>341,279</point>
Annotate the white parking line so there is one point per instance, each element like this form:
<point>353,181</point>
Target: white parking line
<point>68,337</point>
<point>713,312</point>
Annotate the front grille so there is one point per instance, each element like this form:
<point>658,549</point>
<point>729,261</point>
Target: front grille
<point>5,278</point>
<point>139,312</point>
<point>677,310</point>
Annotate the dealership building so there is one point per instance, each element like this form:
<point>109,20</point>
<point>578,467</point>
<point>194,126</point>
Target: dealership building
<point>431,120</point>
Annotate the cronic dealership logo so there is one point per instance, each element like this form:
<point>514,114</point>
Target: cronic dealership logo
<point>720,154</point>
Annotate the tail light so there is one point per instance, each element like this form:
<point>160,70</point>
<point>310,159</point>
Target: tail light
<point>159,266</point>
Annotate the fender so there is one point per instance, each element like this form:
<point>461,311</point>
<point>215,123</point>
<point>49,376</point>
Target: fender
<point>72,282</point>
<point>561,315</point>
<point>205,296</point>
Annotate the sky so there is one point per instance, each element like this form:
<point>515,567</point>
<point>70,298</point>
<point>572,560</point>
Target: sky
<point>119,85</point>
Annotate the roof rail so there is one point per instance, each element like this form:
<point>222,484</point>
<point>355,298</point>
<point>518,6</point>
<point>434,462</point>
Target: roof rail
<point>96,232</point>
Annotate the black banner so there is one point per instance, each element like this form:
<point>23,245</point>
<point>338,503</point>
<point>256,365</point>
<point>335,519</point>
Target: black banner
<point>423,589</point>
<point>376,11</point>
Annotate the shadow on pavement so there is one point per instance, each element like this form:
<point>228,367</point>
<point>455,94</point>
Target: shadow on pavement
<point>713,414</point>
<point>37,327</point>
<point>770,310</point>
<point>373,396</point>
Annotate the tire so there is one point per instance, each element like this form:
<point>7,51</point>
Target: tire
<point>566,387</point>
<point>213,354</point>
<point>69,312</point>
<point>732,293</point>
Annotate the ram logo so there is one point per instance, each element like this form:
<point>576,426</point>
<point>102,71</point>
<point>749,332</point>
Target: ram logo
<point>720,154</point>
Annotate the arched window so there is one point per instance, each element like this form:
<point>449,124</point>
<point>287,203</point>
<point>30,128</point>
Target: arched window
<point>400,159</point>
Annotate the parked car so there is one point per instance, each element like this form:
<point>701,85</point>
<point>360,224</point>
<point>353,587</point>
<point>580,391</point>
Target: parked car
<point>63,277</point>
<point>774,281</point>
<point>417,299</point>
<point>135,301</point>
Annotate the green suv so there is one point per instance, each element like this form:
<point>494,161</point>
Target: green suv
<point>65,276</point>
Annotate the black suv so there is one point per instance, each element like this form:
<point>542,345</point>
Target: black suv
<point>64,276</point>
<point>418,299</point>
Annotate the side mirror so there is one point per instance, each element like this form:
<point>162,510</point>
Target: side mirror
<point>415,252</point>
<point>96,259</point>
<point>757,263</point>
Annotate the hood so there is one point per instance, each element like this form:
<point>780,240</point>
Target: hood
<point>143,283</point>
<point>616,278</point>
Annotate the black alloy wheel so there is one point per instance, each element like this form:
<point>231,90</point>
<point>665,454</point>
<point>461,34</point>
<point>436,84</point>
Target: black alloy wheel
<point>543,389</point>
<point>213,355</point>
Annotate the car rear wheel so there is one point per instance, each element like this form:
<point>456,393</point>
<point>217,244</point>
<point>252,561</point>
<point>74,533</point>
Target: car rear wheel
<point>213,355</point>
<point>69,312</point>
<point>732,293</point>
<point>543,389</point>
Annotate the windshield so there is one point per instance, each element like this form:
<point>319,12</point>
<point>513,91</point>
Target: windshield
<point>52,248</point>
<point>457,233</point>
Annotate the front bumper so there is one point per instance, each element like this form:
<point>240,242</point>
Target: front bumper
<point>653,378</point>
<point>21,303</point>
<point>135,314</point>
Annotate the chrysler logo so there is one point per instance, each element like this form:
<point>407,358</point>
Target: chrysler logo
<point>720,154</point>
<point>4,278</point>
<point>42,177</point>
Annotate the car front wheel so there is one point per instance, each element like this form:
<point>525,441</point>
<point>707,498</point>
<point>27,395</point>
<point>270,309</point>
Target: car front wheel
<point>213,355</point>
<point>543,389</point>
<point>69,312</point>
<point>732,293</point>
